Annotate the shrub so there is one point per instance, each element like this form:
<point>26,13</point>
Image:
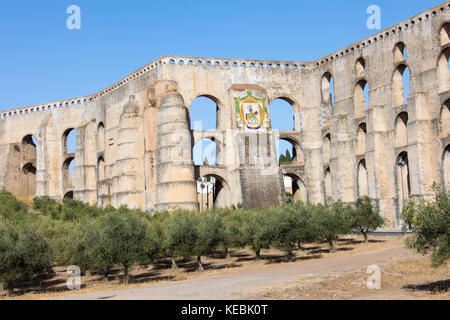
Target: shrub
<point>127,239</point>
<point>24,254</point>
<point>180,236</point>
<point>365,217</point>
<point>12,209</point>
<point>332,221</point>
<point>430,221</point>
<point>285,229</point>
<point>258,230</point>
<point>208,228</point>
<point>232,235</point>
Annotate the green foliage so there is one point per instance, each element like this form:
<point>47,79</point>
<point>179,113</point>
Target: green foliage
<point>180,235</point>
<point>430,221</point>
<point>285,158</point>
<point>24,254</point>
<point>258,230</point>
<point>365,217</point>
<point>331,221</point>
<point>232,232</point>
<point>208,238</point>
<point>68,210</point>
<point>126,239</point>
<point>12,209</point>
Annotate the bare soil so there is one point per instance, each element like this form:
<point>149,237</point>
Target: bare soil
<point>54,286</point>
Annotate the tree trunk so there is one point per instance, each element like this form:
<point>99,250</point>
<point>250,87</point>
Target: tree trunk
<point>199,264</point>
<point>330,242</point>
<point>125,272</point>
<point>366,237</point>
<point>9,287</point>
<point>174,264</point>
<point>300,247</point>
<point>258,254</point>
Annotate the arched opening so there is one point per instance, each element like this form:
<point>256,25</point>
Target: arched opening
<point>443,71</point>
<point>328,94</point>
<point>68,195</point>
<point>361,98</point>
<point>28,171</point>
<point>101,137</point>
<point>445,119</point>
<point>363,186</point>
<point>28,181</point>
<point>444,34</point>
<point>68,173</point>
<point>326,150</point>
<point>401,83</point>
<point>204,114</point>
<point>295,189</point>
<point>282,118</point>
<point>70,141</point>
<point>328,185</point>
<point>100,169</point>
<point>403,180</point>
<point>292,154</point>
<point>400,52</point>
<point>206,152</point>
<point>401,130</point>
<point>361,139</point>
<point>446,168</point>
<point>213,192</point>
<point>360,68</point>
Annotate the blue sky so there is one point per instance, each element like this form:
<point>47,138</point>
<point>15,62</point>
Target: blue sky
<point>42,61</point>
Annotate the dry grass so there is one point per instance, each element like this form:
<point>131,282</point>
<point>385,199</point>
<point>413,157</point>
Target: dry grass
<point>161,272</point>
<point>410,279</point>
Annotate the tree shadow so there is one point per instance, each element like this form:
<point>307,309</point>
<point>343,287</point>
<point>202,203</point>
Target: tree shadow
<point>287,259</point>
<point>319,251</point>
<point>433,287</point>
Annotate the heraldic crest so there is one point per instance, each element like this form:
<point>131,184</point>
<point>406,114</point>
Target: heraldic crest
<point>251,112</point>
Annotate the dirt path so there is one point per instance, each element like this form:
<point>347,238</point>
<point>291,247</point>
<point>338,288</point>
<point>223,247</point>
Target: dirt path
<point>240,285</point>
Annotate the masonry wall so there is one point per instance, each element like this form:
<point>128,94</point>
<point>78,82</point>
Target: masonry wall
<point>128,145</point>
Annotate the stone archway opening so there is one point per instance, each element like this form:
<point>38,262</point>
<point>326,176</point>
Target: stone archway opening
<point>328,94</point>
<point>68,173</point>
<point>361,98</point>
<point>446,168</point>
<point>445,119</point>
<point>403,180</point>
<point>362,181</point>
<point>70,141</point>
<point>401,130</point>
<point>443,71</point>
<point>28,181</point>
<point>213,192</point>
<point>361,139</point>
<point>205,113</point>
<point>295,189</point>
<point>401,85</point>
<point>444,34</point>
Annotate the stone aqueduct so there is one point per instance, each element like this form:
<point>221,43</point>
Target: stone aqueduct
<point>134,141</point>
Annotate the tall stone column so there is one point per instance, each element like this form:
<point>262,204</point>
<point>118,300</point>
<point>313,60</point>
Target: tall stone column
<point>49,161</point>
<point>176,185</point>
<point>128,177</point>
<point>85,172</point>
<point>380,161</point>
<point>345,161</point>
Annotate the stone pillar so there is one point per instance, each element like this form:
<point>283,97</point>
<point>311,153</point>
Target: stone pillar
<point>128,175</point>
<point>423,146</point>
<point>380,162</point>
<point>49,152</point>
<point>344,161</point>
<point>176,186</point>
<point>85,172</point>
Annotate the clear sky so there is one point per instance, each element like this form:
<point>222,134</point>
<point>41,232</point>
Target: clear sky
<point>42,61</point>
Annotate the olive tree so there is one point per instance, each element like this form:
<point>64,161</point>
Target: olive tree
<point>24,254</point>
<point>365,217</point>
<point>430,222</point>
